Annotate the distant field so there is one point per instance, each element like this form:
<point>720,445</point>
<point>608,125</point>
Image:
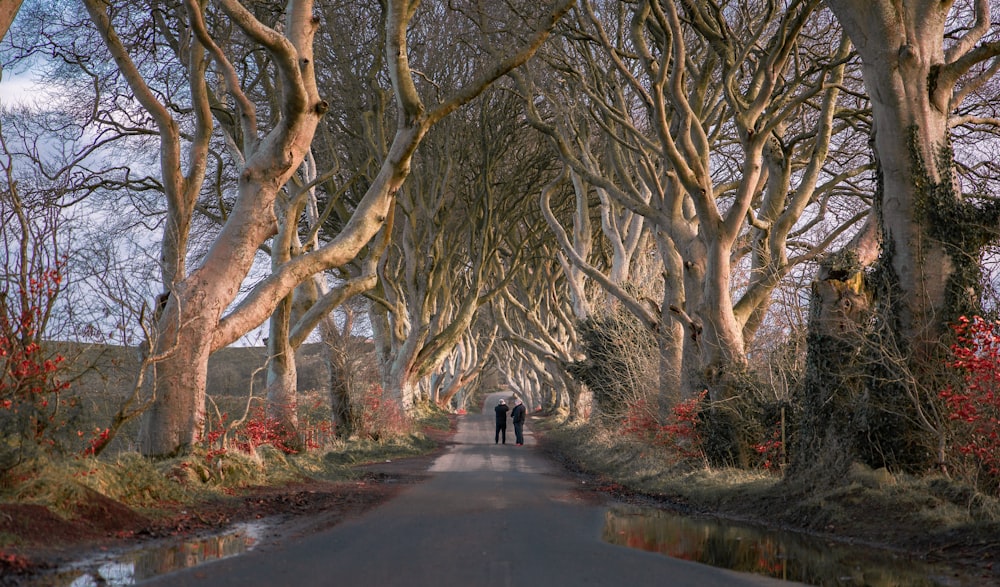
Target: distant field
<point>102,376</point>
<point>112,369</point>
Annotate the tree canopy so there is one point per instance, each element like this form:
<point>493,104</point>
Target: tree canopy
<point>506,191</point>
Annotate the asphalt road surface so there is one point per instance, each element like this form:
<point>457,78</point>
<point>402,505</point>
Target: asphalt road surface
<point>489,515</point>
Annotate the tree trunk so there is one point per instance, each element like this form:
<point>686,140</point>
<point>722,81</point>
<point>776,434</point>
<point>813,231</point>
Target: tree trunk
<point>721,360</point>
<point>186,332</point>
<point>336,358</point>
<point>582,246</point>
<point>928,273</point>
<point>833,394</point>
<point>672,333</point>
<point>282,380</point>
<point>901,49</point>
<point>722,336</point>
<point>175,419</point>
<point>394,360</point>
<point>402,389</point>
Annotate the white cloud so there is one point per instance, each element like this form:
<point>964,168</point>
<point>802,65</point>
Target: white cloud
<point>16,88</point>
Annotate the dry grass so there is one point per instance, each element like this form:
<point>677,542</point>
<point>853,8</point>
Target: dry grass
<point>145,485</point>
<point>868,505</point>
<point>648,469</point>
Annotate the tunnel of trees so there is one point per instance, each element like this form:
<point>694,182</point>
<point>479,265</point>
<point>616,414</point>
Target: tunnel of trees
<point>779,215</point>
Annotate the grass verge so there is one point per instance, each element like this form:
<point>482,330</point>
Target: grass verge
<point>150,486</point>
<point>919,514</point>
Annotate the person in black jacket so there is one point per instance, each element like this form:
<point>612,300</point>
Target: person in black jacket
<point>517,416</point>
<point>501,411</point>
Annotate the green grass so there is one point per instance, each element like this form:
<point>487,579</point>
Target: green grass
<point>360,452</point>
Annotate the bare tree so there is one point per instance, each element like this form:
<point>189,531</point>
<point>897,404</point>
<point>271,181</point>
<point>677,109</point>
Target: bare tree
<point>539,338</point>
<point>453,249</point>
<point>194,301</point>
<point>726,155</point>
<point>465,364</point>
<point>925,66</point>
<point>921,61</point>
<point>193,323</point>
<point>37,322</point>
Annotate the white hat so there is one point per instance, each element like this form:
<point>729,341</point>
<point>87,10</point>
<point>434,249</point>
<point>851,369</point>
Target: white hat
<point>502,402</point>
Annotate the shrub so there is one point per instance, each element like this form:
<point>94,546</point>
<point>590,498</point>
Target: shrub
<point>381,417</point>
<point>679,437</point>
<point>32,407</point>
<point>621,364</point>
<point>771,451</point>
<point>974,406</point>
<point>246,435</point>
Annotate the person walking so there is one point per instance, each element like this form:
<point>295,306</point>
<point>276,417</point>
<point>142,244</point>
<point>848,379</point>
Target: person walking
<point>517,417</point>
<point>501,411</point>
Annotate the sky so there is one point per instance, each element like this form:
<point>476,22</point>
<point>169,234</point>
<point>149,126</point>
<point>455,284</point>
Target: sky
<point>15,87</point>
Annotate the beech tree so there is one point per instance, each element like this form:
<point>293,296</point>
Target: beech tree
<point>453,250</point>
<point>194,321</point>
<point>727,156</point>
<point>462,368</point>
<point>538,334</point>
<point>921,61</point>
<point>194,301</point>
<point>925,65</point>
<point>318,195</point>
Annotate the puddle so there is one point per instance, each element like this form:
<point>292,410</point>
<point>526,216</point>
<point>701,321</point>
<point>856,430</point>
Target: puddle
<point>784,555</point>
<point>129,568</point>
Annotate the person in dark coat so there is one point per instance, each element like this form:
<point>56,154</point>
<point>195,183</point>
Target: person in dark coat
<point>517,417</point>
<point>501,411</point>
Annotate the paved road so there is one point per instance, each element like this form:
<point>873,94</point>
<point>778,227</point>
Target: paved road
<point>489,515</point>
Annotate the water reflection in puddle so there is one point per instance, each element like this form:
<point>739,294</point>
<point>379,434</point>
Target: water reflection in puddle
<point>784,555</point>
<point>131,567</point>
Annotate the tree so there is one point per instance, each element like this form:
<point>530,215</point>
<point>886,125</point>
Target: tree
<point>33,277</point>
<point>463,367</point>
<point>453,249</point>
<point>192,324</point>
<point>539,338</point>
<point>921,60</point>
<point>730,158</point>
<point>194,302</point>
<point>923,63</point>
<point>40,299</point>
